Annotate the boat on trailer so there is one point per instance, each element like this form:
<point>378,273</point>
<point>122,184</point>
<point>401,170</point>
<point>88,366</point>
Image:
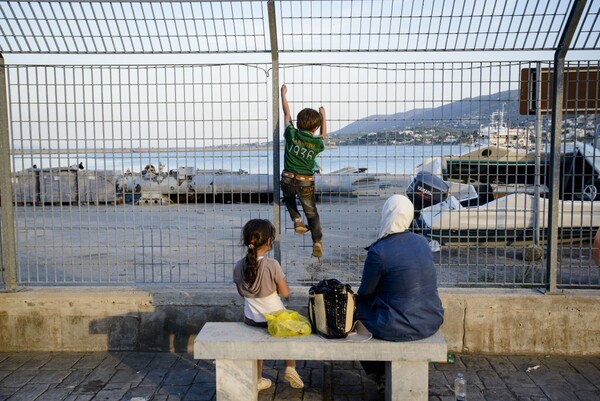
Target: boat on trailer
<point>511,219</point>
<point>497,165</point>
<point>512,205</point>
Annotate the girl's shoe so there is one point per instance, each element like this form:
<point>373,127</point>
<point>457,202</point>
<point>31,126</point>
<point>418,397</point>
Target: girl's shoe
<point>293,378</point>
<point>263,383</point>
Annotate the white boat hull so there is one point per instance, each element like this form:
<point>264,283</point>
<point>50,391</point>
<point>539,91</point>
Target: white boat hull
<point>507,219</point>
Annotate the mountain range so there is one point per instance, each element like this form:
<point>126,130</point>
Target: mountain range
<point>467,113</point>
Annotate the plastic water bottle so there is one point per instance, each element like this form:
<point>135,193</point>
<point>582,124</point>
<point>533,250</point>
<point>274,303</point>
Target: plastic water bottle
<point>435,246</point>
<point>460,388</point>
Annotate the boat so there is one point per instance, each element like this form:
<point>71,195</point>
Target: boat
<point>355,182</point>
<point>511,219</point>
<point>187,183</point>
<point>497,133</point>
<point>492,166</point>
<point>512,201</point>
<point>157,186</point>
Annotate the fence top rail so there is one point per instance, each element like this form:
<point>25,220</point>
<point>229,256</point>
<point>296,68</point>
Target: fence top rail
<point>189,27</point>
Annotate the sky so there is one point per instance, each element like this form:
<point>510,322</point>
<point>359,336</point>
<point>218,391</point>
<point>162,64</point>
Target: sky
<point>337,54</point>
<point>243,26</point>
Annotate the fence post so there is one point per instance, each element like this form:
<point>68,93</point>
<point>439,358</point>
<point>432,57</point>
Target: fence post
<point>557,112</point>
<point>276,161</point>
<point>9,255</point>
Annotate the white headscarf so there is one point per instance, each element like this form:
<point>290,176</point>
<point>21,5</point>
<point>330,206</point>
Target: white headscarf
<point>396,216</point>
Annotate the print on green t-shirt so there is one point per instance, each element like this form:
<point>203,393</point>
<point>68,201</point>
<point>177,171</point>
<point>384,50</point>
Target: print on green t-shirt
<point>301,150</point>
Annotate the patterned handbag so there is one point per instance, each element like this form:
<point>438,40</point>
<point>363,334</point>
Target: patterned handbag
<point>331,306</point>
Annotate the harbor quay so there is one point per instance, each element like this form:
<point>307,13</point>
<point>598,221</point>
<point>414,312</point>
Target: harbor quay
<point>138,293</point>
<point>198,244</point>
<point>131,277</point>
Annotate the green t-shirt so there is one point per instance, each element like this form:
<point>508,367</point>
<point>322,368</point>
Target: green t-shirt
<point>301,150</point>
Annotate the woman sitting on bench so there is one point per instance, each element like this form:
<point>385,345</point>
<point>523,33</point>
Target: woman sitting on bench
<point>398,298</point>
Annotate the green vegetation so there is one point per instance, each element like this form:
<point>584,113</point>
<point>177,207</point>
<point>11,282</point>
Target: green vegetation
<point>418,136</point>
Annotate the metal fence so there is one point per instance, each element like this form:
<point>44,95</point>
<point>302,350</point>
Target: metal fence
<point>131,173</point>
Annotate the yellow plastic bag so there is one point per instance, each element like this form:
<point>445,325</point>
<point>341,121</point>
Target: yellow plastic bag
<point>287,323</point>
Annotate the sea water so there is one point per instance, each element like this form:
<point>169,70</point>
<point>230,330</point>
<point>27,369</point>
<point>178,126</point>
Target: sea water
<point>377,159</point>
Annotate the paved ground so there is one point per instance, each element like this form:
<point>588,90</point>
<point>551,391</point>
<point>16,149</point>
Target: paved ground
<point>192,243</point>
<point>167,377</point>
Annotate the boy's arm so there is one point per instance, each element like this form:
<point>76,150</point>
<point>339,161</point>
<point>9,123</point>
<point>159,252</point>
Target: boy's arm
<point>323,122</point>
<point>287,116</point>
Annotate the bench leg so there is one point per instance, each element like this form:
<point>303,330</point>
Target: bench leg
<point>407,380</point>
<point>236,380</point>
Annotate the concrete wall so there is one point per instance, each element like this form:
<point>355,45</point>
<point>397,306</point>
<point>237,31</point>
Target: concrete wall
<point>477,321</point>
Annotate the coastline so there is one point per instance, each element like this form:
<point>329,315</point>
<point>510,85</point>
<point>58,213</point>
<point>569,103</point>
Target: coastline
<point>23,152</point>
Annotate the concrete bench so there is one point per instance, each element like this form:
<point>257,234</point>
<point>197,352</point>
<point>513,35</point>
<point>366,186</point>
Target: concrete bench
<point>236,347</point>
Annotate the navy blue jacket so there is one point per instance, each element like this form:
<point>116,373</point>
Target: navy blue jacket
<point>398,298</point>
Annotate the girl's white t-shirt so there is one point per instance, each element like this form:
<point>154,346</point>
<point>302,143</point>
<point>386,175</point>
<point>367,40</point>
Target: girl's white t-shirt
<point>254,308</point>
<point>260,297</point>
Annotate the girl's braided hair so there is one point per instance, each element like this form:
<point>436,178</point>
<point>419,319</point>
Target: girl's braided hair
<point>255,234</point>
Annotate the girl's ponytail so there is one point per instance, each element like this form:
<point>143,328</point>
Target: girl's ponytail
<point>251,263</point>
<point>255,234</point>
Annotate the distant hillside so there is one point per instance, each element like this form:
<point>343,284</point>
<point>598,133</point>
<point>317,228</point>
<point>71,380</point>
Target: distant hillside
<point>467,113</point>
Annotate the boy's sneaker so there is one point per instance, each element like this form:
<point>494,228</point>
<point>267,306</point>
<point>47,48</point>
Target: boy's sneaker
<point>263,383</point>
<point>299,227</point>
<point>293,378</point>
<point>317,249</point>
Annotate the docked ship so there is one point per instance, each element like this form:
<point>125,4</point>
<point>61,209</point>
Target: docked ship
<point>497,133</point>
